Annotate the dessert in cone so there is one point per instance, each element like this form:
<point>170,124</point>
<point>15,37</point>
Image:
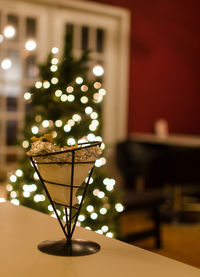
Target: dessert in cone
<point>55,164</point>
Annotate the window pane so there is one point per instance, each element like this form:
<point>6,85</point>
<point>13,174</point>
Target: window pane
<point>11,103</point>
<point>100,40</point>
<point>12,20</point>
<point>11,132</point>
<point>30,27</point>
<point>15,71</point>
<point>12,90</point>
<point>11,158</point>
<point>30,67</point>
<point>84,42</point>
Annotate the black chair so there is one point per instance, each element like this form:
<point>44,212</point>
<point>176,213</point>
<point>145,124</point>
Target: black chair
<point>131,158</point>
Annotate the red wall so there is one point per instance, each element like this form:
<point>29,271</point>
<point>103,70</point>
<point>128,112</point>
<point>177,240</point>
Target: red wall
<point>164,64</point>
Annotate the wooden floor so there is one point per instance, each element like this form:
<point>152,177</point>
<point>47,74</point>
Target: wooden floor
<point>180,241</point>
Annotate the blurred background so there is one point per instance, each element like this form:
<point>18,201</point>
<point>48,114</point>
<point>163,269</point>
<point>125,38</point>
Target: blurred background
<point>149,52</point>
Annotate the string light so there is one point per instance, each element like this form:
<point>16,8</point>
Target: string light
<point>54,61</point>
<point>84,88</point>
<point>67,128</point>
<point>71,141</point>
<point>76,117</point>
<point>45,123</point>
<point>46,84</point>
<point>9,187</point>
<point>35,130</point>
<point>119,207</point>
<point>98,70</point>
<point>71,122</point>
<point>91,137</point>
<point>81,217</point>
<point>71,98</point>
<point>58,93</point>
<point>19,172</point>
<point>79,80</point>
<point>54,50</point>
<point>69,89</point>
<point>58,123</point>
<point>2,199</point>
<point>90,208</point>
<point>9,31</point>
<point>84,99</point>
<point>109,234</point>
<point>13,178</point>
<point>6,64</point>
<point>1,38</point>
<point>26,194</point>
<point>102,92</point>
<point>15,202</point>
<point>25,144</point>
<point>88,110</point>
<point>94,115</point>
<point>93,216</point>
<point>104,228</point>
<point>13,194</point>
<point>63,98</point>
<point>30,45</point>
<point>53,68</point>
<point>27,96</point>
<point>103,211</point>
<point>54,80</point>
<point>97,85</point>
<point>38,84</point>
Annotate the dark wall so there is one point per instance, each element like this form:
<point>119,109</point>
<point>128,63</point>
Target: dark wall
<point>164,64</point>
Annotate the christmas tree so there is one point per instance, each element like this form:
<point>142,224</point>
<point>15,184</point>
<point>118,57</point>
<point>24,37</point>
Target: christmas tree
<point>66,101</point>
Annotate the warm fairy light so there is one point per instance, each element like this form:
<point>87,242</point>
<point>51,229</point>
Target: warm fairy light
<point>53,68</point>
<point>15,202</point>
<point>119,207</point>
<point>102,146</point>
<point>70,98</point>
<point>58,93</point>
<point>97,85</point>
<point>25,143</point>
<point>54,80</point>
<point>93,215</point>
<point>101,194</point>
<point>88,228</point>
<point>103,211</point>
<point>26,194</point>
<point>45,123</point>
<point>79,199</point>
<point>76,117</point>
<point>91,137</point>
<point>104,228</point>
<point>38,118</point>
<point>69,89</point>
<point>79,80</point>
<point>88,110</point>
<point>35,176</point>
<point>92,128</point>
<point>67,128</point>
<point>81,217</point>
<point>38,84</point>
<point>90,181</point>
<point>54,134</point>
<point>90,208</point>
<point>29,188</point>
<point>19,172</point>
<point>13,194</point>
<point>71,141</point>
<point>97,97</point>
<point>6,64</point>
<point>98,163</point>
<point>9,31</point>
<point>95,192</point>
<point>98,138</point>
<point>30,45</point>
<point>54,61</point>
<point>98,70</point>
<point>99,232</point>
<point>35,130</point>
<point>9,187</point>
<point>13,178</point>
<point>103,160</point>
<point>63,98</point>
<point>58,123</point>
<point>84,99</point>
<point>71,122</point>
<point>95,122</point>
<point>54,50</point>
<point>39,198</point>
<point>102,92</point>
<point>109,235</point>
<point>27,96</point>
<point>84,88</point>
<point>94,115</point>
<point>50,208</point>
<point>46,84</point>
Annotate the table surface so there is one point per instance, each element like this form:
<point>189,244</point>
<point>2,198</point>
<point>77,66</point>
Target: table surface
<point>171,139</point>
<point>22,229</point>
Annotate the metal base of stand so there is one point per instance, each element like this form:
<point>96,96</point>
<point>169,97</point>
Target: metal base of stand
<point>75,247</point>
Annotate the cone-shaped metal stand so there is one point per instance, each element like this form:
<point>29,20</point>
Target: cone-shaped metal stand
<point>67,246</point>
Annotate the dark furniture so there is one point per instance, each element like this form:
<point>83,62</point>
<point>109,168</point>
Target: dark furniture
<point>159,164</point>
